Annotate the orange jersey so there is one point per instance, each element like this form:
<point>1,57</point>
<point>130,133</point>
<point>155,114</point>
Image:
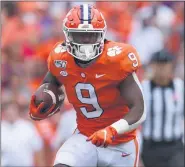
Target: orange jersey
<point>93,91</point>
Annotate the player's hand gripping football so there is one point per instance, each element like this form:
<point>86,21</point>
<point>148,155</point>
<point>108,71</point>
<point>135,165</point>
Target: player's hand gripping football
<point>103,137</point>
<point>35,110</point>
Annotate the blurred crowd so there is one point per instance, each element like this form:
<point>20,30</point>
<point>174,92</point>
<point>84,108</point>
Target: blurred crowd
<point>29,32</point>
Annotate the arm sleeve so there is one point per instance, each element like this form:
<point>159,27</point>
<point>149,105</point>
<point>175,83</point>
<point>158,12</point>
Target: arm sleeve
<point>51,66</point>
<point>49,78</point>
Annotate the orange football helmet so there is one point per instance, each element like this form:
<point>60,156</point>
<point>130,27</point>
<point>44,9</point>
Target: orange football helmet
<point>84,28</point>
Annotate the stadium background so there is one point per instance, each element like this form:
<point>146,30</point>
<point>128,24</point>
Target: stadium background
<point>30,29</point>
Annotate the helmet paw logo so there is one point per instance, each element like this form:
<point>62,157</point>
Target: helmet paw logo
<point>114,51</point>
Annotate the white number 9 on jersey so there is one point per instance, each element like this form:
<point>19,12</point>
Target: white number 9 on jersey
<point>133,58</point>
<point>91,100</point>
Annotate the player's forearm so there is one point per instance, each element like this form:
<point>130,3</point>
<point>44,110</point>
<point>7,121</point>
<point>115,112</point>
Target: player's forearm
<point>136,114</point>
<point>49,78</point>
<point>131,92</point>
<point>131,121</point>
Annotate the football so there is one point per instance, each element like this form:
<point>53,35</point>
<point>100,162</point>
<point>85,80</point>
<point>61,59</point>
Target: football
<point>49,94</point>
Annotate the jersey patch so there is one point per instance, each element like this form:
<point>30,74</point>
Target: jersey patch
<point>64,73</point>
<point>60,63</point>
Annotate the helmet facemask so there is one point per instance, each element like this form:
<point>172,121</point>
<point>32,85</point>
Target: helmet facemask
<point>84,44</point>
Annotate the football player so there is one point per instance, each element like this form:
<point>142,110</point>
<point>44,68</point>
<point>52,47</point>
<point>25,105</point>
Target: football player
<point>101,82</point>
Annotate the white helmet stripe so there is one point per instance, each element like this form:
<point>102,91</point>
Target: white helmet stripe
<point>85,13</point>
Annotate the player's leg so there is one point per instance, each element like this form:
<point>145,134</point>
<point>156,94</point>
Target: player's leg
<point>129,156</point>
<point>76,151</point>
<point>123,155</point>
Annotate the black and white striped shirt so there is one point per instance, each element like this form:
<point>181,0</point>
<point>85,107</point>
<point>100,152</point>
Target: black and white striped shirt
<point>165,111</point>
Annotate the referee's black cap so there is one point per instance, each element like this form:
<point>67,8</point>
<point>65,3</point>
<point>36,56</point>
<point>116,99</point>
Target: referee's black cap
<point>162,56</point>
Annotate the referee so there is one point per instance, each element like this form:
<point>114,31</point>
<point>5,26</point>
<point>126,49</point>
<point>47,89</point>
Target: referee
<point>163,129</point>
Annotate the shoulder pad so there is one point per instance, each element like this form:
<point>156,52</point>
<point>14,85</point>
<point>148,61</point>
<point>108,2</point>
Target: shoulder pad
<point>124,56</point>
<point>58,49</point>
<point>57,53</point>
<point>116,51</point>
